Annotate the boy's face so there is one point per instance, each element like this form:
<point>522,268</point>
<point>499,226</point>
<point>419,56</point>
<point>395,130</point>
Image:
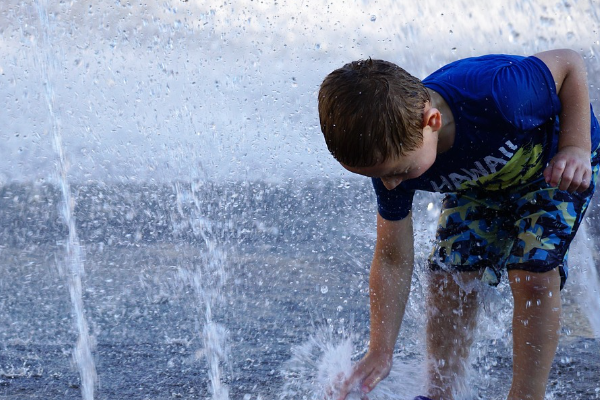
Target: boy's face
<point>412,165</point>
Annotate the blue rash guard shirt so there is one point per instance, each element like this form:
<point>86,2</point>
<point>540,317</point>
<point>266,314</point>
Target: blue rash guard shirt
<point>505,112</point>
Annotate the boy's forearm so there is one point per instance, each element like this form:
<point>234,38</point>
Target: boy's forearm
<point>389,289</point>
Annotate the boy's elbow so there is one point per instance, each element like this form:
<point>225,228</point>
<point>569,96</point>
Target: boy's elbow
<point>573,57</point>
<point>560,55</point>
<point>564,63</point>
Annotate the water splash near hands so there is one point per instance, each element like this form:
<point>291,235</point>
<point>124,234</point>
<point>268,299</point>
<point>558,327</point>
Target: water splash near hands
<point>318,365</point>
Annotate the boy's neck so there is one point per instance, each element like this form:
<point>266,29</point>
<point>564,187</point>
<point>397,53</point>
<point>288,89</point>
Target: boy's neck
<point>446,132</point>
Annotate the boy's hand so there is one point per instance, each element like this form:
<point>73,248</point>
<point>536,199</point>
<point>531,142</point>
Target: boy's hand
<point>570,169</point>
<point>367,373</point>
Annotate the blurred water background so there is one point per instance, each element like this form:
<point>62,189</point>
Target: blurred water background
<point>172,225</point>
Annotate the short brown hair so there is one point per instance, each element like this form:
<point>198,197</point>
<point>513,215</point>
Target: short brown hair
<point>370,111</point>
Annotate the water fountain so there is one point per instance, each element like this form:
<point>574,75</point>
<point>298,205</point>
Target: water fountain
<point>174,149</point>
<point>72,267</point>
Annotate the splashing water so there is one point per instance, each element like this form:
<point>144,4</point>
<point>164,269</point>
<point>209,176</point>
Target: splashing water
<point>325,359</point>
<point>317,365</point>
<point>72,267</point>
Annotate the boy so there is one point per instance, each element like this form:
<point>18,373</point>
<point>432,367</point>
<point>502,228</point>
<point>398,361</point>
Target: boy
<point>513,143</point>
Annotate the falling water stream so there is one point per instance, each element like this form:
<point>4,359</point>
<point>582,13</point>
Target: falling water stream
<point>207,279</point>
<point>72,268</point>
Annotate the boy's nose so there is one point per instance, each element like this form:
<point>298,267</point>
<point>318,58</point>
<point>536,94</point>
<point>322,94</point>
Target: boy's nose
<point>391,183</point>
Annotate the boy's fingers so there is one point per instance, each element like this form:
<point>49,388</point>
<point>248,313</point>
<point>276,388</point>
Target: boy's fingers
<point>574,186</point>
<point>365,376</point>
<point>330,390</point>
<point>373,379</point>
<point>553,172</point>
<point>370,383</point>
<point>587,180</point>
<point>343,391</point>
<point>570,177</point>
<point>341,394</point>
<point>583,183</point>
<point>567,177</point>
<point>569,170</point>
<point>347,385</point>
<point>548,174</point>
<point>577,183</point>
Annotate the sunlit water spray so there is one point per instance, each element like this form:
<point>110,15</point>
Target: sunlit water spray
<point>72,266</point>
<point>207,279</point>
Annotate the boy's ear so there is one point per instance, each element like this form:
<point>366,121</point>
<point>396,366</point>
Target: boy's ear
<point>432,118</point>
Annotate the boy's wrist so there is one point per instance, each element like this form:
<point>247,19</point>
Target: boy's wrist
<point>381,352</point>
<point>576,147</point>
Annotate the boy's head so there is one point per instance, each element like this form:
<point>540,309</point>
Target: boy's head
<point>371,111</point>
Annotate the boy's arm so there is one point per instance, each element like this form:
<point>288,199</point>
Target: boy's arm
<point>389,287</point>
<point>570,169</point>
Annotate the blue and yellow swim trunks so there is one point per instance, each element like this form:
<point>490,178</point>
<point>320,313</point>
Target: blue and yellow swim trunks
<point>529,228</point>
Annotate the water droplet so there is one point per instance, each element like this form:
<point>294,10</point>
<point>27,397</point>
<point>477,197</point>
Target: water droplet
<point>373,18</point>
<point>324,289</point>
<point>567,331</point>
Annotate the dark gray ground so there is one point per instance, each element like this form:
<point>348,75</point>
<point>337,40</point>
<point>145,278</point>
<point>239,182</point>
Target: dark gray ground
<point>296,259</point>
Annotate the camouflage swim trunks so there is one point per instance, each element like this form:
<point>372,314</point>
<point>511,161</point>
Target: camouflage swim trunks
<point>529,229</point>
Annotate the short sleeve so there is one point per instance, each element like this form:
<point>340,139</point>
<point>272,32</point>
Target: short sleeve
<point>525,93</point>
<point>393,204</point>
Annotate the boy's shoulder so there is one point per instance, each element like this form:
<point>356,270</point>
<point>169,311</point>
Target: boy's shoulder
<point>480,63</point>
<point>519,90</point>
<point>474,74</point>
